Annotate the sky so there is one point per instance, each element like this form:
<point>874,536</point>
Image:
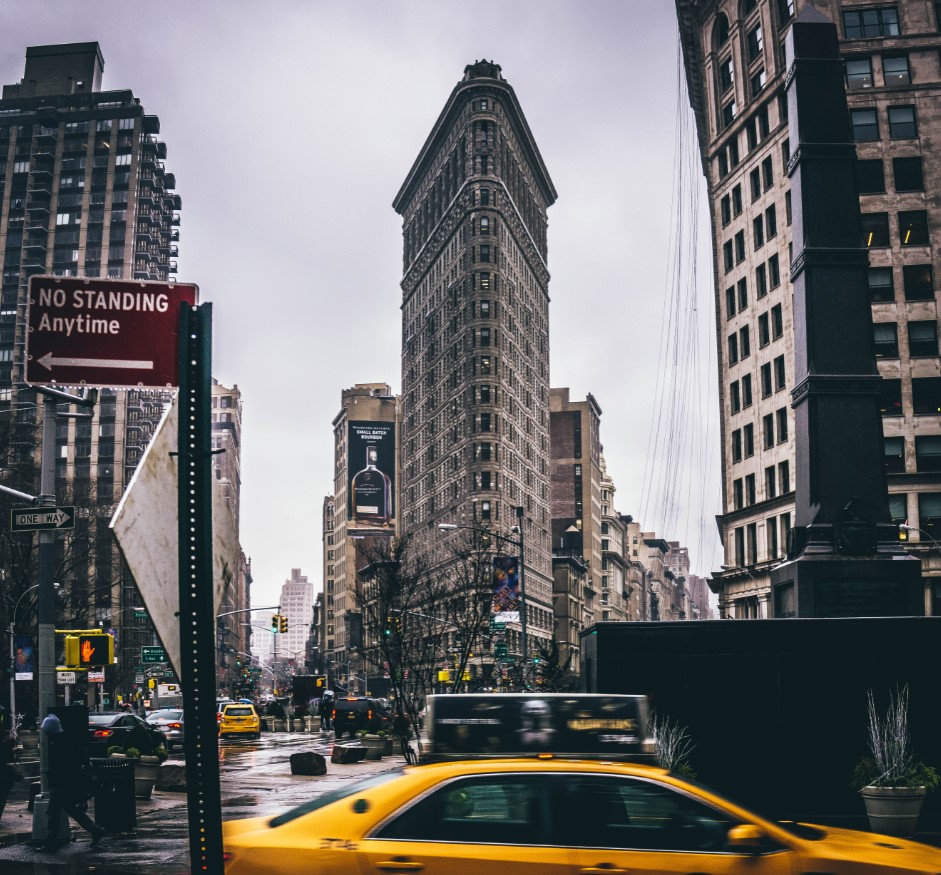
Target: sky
<point>290,127</point>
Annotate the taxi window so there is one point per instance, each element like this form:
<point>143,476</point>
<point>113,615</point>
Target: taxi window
<point>239,711</point>
<point>611,812</point>
<point>491,810</point>
<point>344,792</point>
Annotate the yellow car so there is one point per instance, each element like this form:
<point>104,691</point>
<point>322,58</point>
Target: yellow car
<point>546,814</point>
<point>237,718</point>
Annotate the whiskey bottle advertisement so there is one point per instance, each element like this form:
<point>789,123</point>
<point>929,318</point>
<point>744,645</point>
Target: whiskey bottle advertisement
<point>371,454</point>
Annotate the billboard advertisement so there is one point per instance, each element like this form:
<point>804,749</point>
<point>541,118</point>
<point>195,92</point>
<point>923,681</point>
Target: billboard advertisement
<point>506,589</point>
<point>23,658</point>
<point>371,466</point>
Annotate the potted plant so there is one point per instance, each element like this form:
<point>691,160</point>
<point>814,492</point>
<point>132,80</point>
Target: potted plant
<point>672,745</point>
<point>892,780</point>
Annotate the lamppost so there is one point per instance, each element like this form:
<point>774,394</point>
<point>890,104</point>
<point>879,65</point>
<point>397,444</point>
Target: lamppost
<point>13,651</point>
<point>517,530</point>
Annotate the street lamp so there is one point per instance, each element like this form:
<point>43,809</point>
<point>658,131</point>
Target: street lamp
<point>517,530</point>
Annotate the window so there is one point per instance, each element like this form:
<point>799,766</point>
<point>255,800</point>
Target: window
<point>859,73</point>
<point>875,228</point>
<point>735,397</point>
<point>738,494</point>
<point>751,534</point>
<point>780,375</point>
<point>890,402</point>
<point>484,226</point>
<point>748,439</point>
<point>737,200</point>
<point>777,321</point>
<point>871,176</point>
<point>922,339</point>
<point>754,43</point>
<point>929,513</point>
<point>750,497</point>
<point>894,454</point>
<point>766,380</point>
<point>733,349</point>
<point>927,453</point>
<point>758,232</point>
<point>864,23</point>
<point>919,282</point>
<point>784,476</point>
<point>725,75</point>
<point>737,445</point>
<point>926,396</point>
<point>767,172</point>
<point>720,31</point>
<point>727,257</point>
<point>774,271</point>
<point>787,207</point>
<point>771,482</point>
<point>908,174</point>
<point>485,252</point>
<point>785,11</point>
<point>740,247</point>
<point>880,284</point>
<point>730,302</point>
<point>885,340</point>
<point>913,228</point>
<point>725,210</point>
<point>754,180</point>
<point>902,123</point>
<point>865,124</point>
<point>746,391</point>
<point>744,342</point>
<point>781,417</point>
<point>771,222</point>
<point>895,70</point>
<point>740,547</point>
<point>757,82</point>
<point>761,281</point>
<point>729,111</point>
<point>742,286</point>
<point>767,431</point>
<point>764,331</point>
<point>485,510</point>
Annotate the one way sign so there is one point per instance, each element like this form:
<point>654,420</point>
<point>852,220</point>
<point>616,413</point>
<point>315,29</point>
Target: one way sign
<point>43,518</point>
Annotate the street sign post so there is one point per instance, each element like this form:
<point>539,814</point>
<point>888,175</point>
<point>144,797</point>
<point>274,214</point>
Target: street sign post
<point>92,331</point>
<point>39,519</point>
<point>152,654</point>
<point>65,677</point>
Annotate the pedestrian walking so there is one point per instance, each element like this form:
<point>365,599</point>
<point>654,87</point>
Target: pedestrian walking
<point>326,711</point>
<point>68,786</point>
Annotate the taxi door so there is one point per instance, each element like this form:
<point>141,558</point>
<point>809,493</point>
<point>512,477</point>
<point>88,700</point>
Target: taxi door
<point>624,824</point>
<point>487,824</point>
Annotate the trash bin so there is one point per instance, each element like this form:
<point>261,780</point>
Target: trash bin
<point>115,807</point>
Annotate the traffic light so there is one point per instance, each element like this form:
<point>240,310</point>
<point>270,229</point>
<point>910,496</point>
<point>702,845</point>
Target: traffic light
<point>283,625</point>
<point>320,682</point>
<point>93,650</point>
<point>274,623</point>
<point>387,629</point>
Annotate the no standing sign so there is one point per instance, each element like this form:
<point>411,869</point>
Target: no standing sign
<point>89,331</point>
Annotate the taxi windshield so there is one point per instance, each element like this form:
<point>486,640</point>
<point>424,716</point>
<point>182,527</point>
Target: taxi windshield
<point>335,796</point>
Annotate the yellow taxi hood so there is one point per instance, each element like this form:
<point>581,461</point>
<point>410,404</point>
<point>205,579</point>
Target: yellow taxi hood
<point>231,828</point>
<point>873,849</point>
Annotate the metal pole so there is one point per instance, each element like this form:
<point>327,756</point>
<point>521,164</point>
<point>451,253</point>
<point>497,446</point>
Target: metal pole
<point>523,642</point>
<point>12,677</point>
<point>47,607</point>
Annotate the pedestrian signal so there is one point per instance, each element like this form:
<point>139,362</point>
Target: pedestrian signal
<point>89,651</point>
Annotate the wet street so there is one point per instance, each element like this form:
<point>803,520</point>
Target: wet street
<point>255,780</point>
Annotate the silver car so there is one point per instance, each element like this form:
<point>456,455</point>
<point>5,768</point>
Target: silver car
<point>170,722</point>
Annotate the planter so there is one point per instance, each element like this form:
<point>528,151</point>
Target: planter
<point>893,810</point>
<point>29,738</point>
<point>278,725</point>
<point>145,776</point>
<point>375,746</point>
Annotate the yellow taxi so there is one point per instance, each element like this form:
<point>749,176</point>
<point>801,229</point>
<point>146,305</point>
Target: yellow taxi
<point>544,813</point>
<point>239,718</point>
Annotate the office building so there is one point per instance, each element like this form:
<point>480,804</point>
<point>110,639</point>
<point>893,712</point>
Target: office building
<point>475,331</point>
<point>735,68</point>
<point>83,192</point>
<point>297,607</point>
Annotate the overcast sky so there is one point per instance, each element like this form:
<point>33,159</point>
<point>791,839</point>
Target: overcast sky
<point>290,127</point>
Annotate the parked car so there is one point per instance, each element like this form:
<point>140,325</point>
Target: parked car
<point>117,728</point>
<point>352,713</point>
<point>170,722</point>
<point>239,718</point>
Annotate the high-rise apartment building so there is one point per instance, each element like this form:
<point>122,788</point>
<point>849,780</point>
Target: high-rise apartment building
<point>475,330</point>
<point>297,606</point>
<point>83,192</point>
<point>736,72</point>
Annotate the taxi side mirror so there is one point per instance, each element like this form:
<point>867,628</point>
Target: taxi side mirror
<point>746,837</point>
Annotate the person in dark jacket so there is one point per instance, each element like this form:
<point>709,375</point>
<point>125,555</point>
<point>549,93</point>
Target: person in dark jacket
<point>326,711</point>
<point>68,786</point>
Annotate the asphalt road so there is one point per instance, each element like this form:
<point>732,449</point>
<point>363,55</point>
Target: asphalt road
<point>255,778</point>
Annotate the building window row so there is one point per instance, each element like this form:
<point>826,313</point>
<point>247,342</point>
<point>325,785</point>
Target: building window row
<point>927,454</point>
<point>907,173</point>
<point>903,124</point>
<point>926,396</point>
<point>922,339</point>
<point>912,229</point>
<point>917,283</point>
